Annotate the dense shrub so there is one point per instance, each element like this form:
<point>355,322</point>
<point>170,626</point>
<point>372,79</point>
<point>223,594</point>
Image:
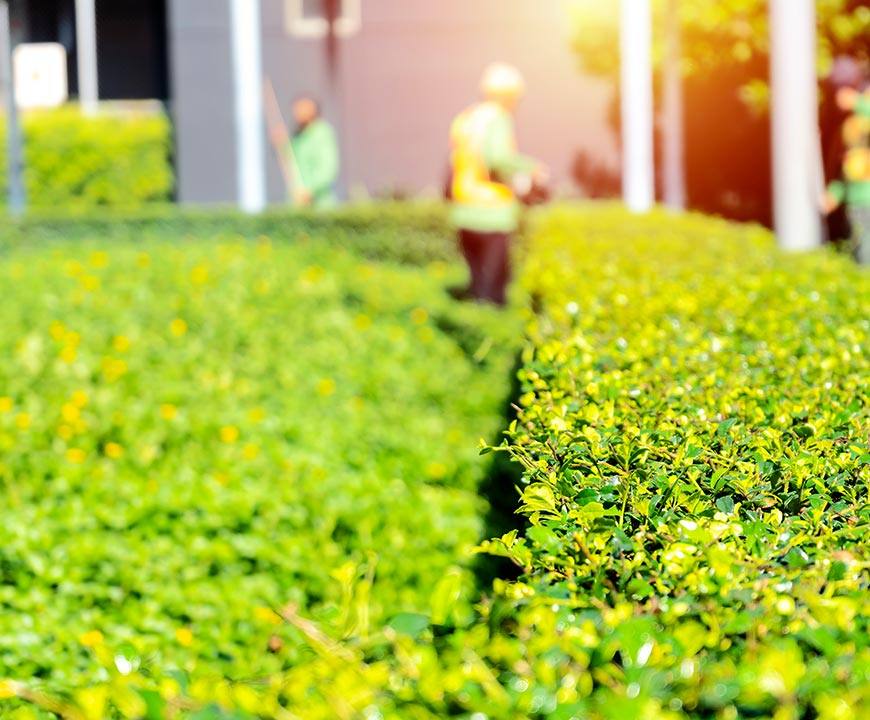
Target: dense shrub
<point>407,233</point>
<point>693,434</point>
<point>192,436</point>
<point>694,431</point>
<point>77,161</point>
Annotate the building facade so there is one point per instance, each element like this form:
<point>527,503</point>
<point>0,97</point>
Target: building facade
<point>391,77</point>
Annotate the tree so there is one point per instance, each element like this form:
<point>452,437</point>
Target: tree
<point>723,63</point>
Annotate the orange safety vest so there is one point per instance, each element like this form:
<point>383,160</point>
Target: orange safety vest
<point>472,182</point>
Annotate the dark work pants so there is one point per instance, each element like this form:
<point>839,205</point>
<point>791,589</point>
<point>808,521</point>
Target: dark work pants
<point>488,258</point>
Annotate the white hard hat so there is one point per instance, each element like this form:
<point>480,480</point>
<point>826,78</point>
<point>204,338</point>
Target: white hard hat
<point>502,79</point>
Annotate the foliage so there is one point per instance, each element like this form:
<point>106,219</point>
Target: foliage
<point>406,233</point>
<point>194,435</point>
<point>692,430</point>
<point>694,433</point>
<point>78,161</point>
<point>716,34</point>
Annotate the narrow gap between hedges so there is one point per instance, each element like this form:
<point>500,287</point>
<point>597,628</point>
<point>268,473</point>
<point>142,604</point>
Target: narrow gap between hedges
<point>499,489</point>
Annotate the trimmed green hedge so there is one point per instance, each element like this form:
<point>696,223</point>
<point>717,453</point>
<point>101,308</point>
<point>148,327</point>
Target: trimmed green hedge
<point>117,159</point>
<point>194,435</point>
<point>692,430</point>
<point>407,233</point>
<point>694,433</point>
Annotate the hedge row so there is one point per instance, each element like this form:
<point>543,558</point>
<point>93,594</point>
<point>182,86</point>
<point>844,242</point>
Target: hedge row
<point>76,161</point>
<point>407,233</point>
<point>692,431</point>
<point>193,436</point>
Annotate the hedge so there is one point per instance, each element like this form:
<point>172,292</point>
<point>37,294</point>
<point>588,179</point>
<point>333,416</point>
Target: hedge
<point>193,436</point>
<point>692,430</point>
<point>408,233</point>
<point>694,433</point>
<point>116,159</point>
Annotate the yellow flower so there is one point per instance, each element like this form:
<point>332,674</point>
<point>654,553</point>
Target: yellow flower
<point>65,432</point>
<point>5,404</point>
<point>436,470</point>
<point>178,327</point>
<point>184,636</point>
<point>91,638</point>
<point>114,450</point>
<point>362,322</point>
<point>419,316</point>
<point>143,260</point>
<point>99,258</point>
<point>229,433</point>
<point>68,354</point>
<point>7,689</point>
<point>22,420</point>
<point>121,344</point>
<point>168,411</point>
<point>90,283</point>
<point>79,398</point>
<point>250,451</point>
<point>326,387</point>
<point>267,615</point>
<point>313,275</point>
<point>113,368</point>
<point>57,331</point>
<point>199,275</point>
<point>256,415</point>
<point>70,412</point>
<point>76,455</point>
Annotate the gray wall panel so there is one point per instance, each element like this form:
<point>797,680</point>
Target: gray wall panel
<point>202,102</point>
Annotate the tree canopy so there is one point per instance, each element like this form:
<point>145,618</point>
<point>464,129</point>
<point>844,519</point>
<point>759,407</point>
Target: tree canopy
<point>728,32</point>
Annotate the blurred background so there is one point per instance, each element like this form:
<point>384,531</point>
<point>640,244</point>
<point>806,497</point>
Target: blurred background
<point>390,76</point>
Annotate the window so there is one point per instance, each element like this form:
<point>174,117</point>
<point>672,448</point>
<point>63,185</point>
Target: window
<point>307,18</point>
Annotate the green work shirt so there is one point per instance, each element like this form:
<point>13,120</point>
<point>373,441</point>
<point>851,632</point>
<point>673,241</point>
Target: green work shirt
<point>503,161</point>
<point>854,192</point>
<point>315,150</point>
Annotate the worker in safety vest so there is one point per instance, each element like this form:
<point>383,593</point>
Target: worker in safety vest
<point>854,189</point>
<point>486,170</point>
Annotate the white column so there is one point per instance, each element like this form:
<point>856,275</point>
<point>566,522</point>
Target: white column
<point>674,169</point>
<point>638,179</point>
<point>14,156</point>
<point>794,124</point>
<point>86,54</point>
<point>246,32</point>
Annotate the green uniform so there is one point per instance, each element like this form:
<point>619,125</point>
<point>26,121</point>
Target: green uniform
<point>315,150</point>
<point>486,132</point>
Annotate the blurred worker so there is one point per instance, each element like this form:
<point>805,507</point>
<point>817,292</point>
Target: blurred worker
<point>853,189</point>
<point>486,172</point>
<point>310,159</point>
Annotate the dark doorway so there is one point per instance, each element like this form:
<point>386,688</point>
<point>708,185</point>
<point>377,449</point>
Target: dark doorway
<point>132,50</point>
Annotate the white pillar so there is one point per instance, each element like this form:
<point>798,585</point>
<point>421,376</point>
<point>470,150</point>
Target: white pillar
<point>638,179</point>
<point>794,124</point>
<point>674,169</point>
<point>248,89</point>
<point>86,55</point>
<point>14,156</point>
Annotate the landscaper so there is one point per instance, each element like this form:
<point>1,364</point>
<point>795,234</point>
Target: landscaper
<point>854,189</point>
<point>485,170</point>
<point>311,158</point>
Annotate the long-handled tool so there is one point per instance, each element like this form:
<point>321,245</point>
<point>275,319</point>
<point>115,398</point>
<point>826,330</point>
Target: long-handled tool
<point>286,158</point>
